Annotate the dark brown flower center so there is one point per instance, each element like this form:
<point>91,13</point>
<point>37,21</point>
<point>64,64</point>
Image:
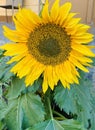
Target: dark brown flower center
<point>49,44</point>
<point>49,47</point>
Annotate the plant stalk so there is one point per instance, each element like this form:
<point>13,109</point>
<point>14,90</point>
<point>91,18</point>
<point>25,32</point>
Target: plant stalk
<point>47,101</point>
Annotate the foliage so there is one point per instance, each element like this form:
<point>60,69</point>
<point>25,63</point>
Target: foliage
<point>21,110</point>
<point>5,74</point>
<point>53,124</point>
<point>93,61</point>
<point>77,102</point>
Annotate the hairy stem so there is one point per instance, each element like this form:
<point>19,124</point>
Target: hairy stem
<point>60,115</point>
<point>47,102</point>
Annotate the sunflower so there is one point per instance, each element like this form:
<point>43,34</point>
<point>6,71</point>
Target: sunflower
<point>54,45</point>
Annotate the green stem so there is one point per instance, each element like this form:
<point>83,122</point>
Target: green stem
<point>49,106</point>
<point>47,101</point>
<point>58,118</point>
<point>60,115</point>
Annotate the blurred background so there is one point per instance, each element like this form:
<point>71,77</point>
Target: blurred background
<point>85,8</point>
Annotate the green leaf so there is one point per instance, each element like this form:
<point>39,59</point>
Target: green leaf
<point>36,86</point>
<point>5,73</point>
<point>2,126</point>
<point>53,124</point>
<point>77,100</point>
<point>0,91</point>
<point>72,125</point>
<point>93,121</point>
<point>93,61</point>
<point>16,87</point>
<point>33,109</point>
<point>93,110</point>
<point>3,108</point>
<point>14,116</point>
<point>1,53</point>
<point>22,112</point>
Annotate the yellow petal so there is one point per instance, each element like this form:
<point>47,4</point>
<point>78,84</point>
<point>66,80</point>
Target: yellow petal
<point>75,72</point>
<point>83,36</point>
<point>16,58</point>
<point>49,72</point>
<point>73,22</point>
<point>26,19</point>
<point>68,68</point>
<point>45,82</point>
<point>63,12</point>
<point>83,49</point>
<point>82,41</point>
<point>80,58</point>
<point>79,29</point>
<point>28,16</point>
<point>55,76</point>
<point>78,64</point>
<point>54,10</point>
<point>22,63</point>
<point>15,35</point>
<point>45,12</point>
<point>34,74</point>
<point>14,49</point>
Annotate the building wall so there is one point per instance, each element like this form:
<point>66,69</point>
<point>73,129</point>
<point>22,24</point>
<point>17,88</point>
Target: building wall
<point>8,2</point>
<point>6,14</point>
<point>84,8</point>
<point>93,13</point>
<point>2,11</point>
<point>32,4</point>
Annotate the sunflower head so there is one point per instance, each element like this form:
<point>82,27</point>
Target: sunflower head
<point>54,45</point>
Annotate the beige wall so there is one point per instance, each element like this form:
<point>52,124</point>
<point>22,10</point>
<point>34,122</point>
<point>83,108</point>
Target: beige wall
<point>8,2</point>
<point>32,4</point>
<point>94,12</point>
<point>2,11</point>
<point>15,2</point>
<point>83,7</point>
